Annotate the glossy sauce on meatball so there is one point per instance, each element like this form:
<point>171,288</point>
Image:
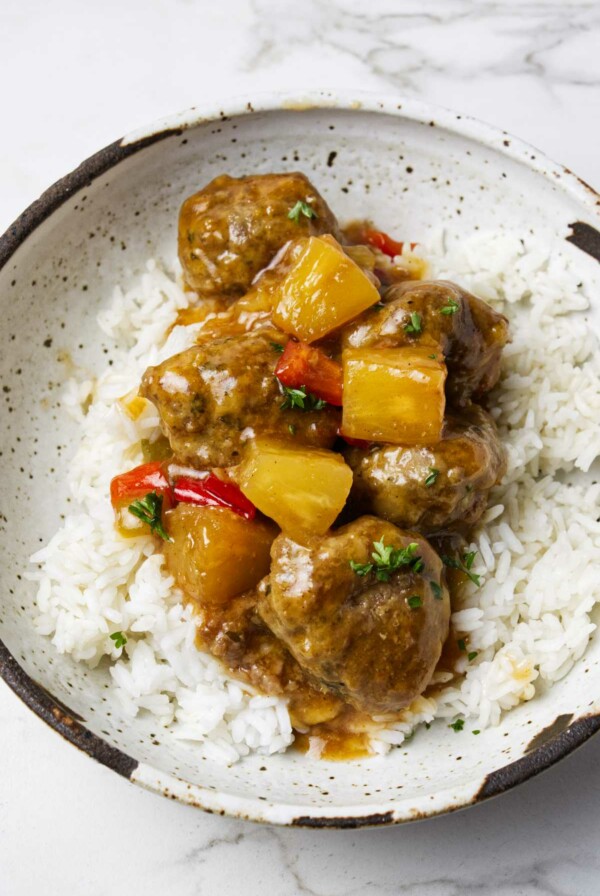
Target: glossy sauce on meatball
<point>232,228</point>
<point>214,397</point>
<point>469,333</point>
<point>372,640</point>
<point>431,487</point>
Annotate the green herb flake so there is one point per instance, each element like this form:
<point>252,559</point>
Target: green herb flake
<point>471,656</point>
<point>300,399</point>
<point>469,558</point>
<point>377,306</point>
<point>458,725</point>
<point>476,731</point>
<point>436,590</point>
<point>464,565</point>
<point>433,357</point>
<point>119,639</point>
<point>276,346</point>
<point>415,325</point>
<point>361,569</point>
<point>149,510</point>
<point>461,644</point>
<point>414,602</point>
<point>433,475</point>
<point>291,429</point>
<point>301,208</point>
<point>387,560</point>
<point>451,307</point>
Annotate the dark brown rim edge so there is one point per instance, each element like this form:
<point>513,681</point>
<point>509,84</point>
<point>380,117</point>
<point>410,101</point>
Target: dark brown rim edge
<point>538,760</point>
<point>60,718</point>
<point>63,189</point>
<point>34,696</point>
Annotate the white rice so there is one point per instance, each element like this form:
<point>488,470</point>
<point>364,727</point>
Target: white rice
<point>537,544</point>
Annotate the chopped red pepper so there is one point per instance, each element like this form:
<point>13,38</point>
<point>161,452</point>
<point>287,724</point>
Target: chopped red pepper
<point>304,365</point>
<point>356,443</point>
<point>385,243</point>
<point>213,492</point>
<point>137,483</point>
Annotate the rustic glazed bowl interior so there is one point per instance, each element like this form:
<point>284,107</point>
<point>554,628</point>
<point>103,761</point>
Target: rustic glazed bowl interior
<point>406,166</point>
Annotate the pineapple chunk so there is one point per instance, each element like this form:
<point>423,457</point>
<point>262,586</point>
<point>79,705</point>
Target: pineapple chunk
<point>322,290</point>
<point>134,405</point>
<point>216,554</point>
<point>302,489</point>
<point>393,395</point>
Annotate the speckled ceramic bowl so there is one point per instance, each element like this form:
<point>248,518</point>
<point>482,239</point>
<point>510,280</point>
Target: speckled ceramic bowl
<point>400,162</point>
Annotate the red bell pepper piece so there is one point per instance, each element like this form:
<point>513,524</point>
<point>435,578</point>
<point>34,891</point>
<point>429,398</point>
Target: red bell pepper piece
<point>356,443</point>
<point>137,483</point>
<point>385,243</point>
<point>213,492</point>
<point>304,365</point>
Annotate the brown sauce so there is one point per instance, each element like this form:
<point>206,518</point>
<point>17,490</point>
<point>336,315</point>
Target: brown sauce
<point>324,725</point>
<point>322,722</point>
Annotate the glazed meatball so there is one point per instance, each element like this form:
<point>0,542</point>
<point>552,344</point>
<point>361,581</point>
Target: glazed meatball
<point>233,228</point>
<point>434,487</point>
<point>469,333</point>
<point>373,642</point>
<point>213,397</point>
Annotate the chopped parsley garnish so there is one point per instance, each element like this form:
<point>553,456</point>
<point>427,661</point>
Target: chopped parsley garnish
<point>436,589</point>
<point>300,398</point>
<point>149,510</point>
<point>433,475</point>
<point>414,602</point>
<point>461,644</point>
<point>277,346</point>
<point>476,731</point>
<point>119,639</point>
<point>433,357</point>
<point>301,208</point>
<point>469,558</point>
<point>458,725</point>
<point>464,565</point>
<point>471,656</point>
<point>451,307</point>
<point>415,324</point>
<point>387,560</point>
<point>291,429</point>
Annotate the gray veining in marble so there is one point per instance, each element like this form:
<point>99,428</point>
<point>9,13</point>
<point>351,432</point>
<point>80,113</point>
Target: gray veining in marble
<point>74,77</point>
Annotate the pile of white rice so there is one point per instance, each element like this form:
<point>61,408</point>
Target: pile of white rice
<point>537,546</point>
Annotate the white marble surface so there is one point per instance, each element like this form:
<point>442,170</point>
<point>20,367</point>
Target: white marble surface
<point>76,75</point>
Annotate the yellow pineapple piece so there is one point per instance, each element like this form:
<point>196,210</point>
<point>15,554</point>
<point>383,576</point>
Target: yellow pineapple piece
<point>322,290</point>
<point>393,395</point>
<point>302,489</point>
<point>216,554</point>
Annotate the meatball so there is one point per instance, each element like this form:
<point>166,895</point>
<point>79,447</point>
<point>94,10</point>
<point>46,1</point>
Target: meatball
<point>213,397</point>
<point>373,642</point>
<point>430,488</point>
<point>469,333</point>
<point>232,229</point>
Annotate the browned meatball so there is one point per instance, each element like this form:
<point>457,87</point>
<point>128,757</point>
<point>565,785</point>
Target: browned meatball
<point>470,334</point>
<point>232,229</point>
<point>433,487</point>
<point>213,397</point>
<point>374,643</point>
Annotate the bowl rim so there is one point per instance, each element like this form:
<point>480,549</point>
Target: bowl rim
<point>566,733</point>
